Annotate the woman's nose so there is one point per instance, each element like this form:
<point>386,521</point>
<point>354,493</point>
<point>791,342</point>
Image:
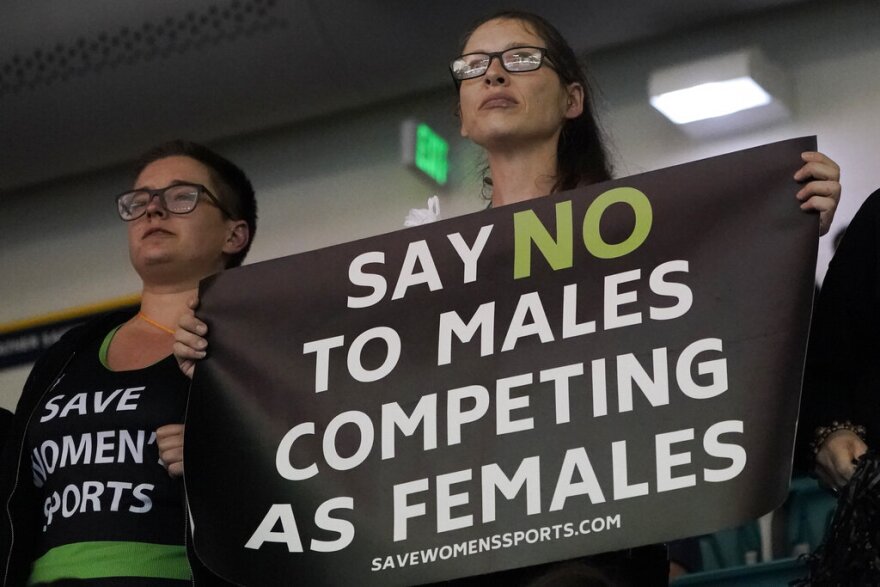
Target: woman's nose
<point>155,206</point>
<point>495,73</point>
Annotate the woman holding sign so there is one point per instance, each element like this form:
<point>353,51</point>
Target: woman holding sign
<point>91,489</point>
<point>524,98</point>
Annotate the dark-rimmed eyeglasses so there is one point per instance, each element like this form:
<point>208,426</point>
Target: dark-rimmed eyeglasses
<point>514,60</point>
<point>179,198</point>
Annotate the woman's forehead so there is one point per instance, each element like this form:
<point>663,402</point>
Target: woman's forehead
<point>176,168</point>
<point>501,33</point>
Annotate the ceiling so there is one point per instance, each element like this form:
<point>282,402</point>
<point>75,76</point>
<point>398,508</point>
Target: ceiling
<point>90,83</point>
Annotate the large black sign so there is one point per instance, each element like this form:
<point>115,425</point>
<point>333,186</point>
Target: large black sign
<point>603,368</point>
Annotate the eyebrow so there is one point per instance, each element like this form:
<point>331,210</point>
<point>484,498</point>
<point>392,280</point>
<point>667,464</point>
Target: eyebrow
<point>512,45</point>
<point>516,44</point>
<point>173,183</point>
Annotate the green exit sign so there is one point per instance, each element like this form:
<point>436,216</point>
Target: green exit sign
<point>425,150</point>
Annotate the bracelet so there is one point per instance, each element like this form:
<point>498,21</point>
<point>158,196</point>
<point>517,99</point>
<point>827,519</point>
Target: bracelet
<point>823,432</point>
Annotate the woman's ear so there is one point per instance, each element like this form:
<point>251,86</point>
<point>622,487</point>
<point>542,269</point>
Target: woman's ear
<point>237,238</point>
<point>574,100</point>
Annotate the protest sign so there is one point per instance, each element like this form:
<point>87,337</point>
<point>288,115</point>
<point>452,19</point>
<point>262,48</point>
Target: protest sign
<point>602,368</point>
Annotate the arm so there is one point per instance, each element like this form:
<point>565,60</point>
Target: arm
<point>189,347</point>
<point>841,377</point>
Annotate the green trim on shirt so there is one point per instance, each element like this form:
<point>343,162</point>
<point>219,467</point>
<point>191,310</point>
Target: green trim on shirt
<point>105,347</point>
<point>94,560</point>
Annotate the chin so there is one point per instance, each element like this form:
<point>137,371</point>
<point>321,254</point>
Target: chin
<point>496,135</point>
<point>154,260</point>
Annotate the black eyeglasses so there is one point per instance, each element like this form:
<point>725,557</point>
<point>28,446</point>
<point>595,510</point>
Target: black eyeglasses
<point>515,60</point>
<point>180,198</point>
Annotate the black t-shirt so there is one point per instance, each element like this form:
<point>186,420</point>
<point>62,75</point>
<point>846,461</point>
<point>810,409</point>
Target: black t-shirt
<point>108,506</point>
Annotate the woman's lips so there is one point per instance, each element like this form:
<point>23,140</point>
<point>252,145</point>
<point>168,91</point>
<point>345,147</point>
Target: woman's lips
<point>156,231</point>
<point>498,101</point>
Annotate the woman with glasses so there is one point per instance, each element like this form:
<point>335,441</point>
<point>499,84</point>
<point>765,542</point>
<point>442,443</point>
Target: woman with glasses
<point>94,495</point>
<point>524,98</point>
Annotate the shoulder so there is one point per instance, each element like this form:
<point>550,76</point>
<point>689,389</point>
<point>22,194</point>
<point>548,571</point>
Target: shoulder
<point>868,213</point>
<point>93,328</point>
<point>82,334</point>
<point>872,201</point>
<point>862,234</point>
<point>52,361</point>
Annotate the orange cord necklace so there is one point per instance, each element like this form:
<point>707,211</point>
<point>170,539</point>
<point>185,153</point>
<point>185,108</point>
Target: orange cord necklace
<point>152,322</point>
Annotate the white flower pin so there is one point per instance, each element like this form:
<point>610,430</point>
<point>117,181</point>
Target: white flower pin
<point>419,216</point>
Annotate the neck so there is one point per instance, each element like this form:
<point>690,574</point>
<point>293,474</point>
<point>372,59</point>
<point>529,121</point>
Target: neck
<point>166,306</point>
<point>522,174</point>
<point>170,275</point>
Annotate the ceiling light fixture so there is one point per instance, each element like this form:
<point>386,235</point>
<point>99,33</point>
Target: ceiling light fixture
<point>721,94</point>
